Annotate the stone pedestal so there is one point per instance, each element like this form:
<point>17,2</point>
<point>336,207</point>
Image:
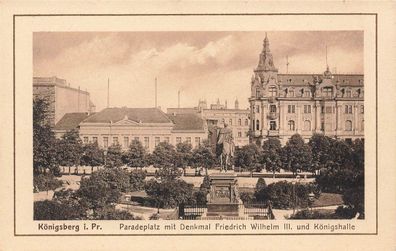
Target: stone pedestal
<point>224,198</point>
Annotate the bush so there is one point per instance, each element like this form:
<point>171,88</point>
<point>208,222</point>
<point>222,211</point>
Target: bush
<point>110,213</point>
<point>308,214</point>
<point>345,212</point>
<point>57,210</point>
<point>285,195</point>
<point>44,182</point>
<point>246,197</point>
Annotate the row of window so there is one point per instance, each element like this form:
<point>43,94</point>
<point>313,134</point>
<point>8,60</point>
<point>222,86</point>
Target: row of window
<point>307,109</point>
<point>239,122</point>
<point>326,92</point>
<point>146,141</point>
<point>307,125</point>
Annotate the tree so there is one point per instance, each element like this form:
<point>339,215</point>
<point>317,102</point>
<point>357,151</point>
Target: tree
<point>114,156</point>
<point>296,155</point>
<point>203,156</point>
<point>110,213</point>
<point>103,187</point>
<point>169,193</point>
<point>136,180</point>
<point>320,147</point>
<point>136,156</point>
<point>92,155</point>
<point>163,157</point>
<point>58,210</point>
<point>271,155</point>
<point>260,193</point>
<point>248,157</point>
<point>70,149</point>
<point>44,141</point>
<point>183,155</point>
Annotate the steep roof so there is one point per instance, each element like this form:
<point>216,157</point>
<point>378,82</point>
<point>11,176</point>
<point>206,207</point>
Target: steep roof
<point>304,79</point>
<point>187,121</point>
<point>71,121</point>
<point>144,115</point>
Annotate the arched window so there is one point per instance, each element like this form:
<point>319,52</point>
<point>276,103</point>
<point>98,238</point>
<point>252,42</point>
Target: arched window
<point>257,124</point>
<point>246,122</point>
<point>348,125</point>
<point>239,122</point>
<point>291,125</point>
<point>307,125</point>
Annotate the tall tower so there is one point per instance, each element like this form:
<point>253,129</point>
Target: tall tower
<point>264,90</point>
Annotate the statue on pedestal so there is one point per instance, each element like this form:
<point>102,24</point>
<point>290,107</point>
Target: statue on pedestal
<point>226,144</point>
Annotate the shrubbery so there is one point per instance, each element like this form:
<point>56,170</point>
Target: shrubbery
<point>45,182</point>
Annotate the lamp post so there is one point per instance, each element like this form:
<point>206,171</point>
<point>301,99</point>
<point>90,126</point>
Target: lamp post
<point>294,182</point>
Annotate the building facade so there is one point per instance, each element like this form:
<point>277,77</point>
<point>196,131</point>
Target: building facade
<point>219,114</point>
<point>61,98</point>
<point>285,104</point>
<point>150,126</point>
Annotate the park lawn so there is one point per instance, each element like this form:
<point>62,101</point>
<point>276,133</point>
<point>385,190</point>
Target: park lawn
<point>328,199</point>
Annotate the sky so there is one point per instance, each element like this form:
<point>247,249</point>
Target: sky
<point>202,65</point>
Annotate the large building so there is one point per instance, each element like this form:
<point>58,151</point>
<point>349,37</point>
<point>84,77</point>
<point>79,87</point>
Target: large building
<point>219,114</point>
<point>148,125</point>
<point>61,98</point>
<point>284,104</point>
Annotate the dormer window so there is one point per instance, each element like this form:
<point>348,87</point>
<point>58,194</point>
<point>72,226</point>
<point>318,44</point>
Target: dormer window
<point>328,92</point>
<point>272,91</point>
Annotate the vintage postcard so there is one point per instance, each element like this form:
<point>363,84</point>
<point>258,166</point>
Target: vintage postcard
<point>211,128</point>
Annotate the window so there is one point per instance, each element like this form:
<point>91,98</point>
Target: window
<point>246,122</point>
<point>105,142</point>
<point>178,140</point>
<point>146,142</point>
<point>362,109</point>
<point>291,93</point>
<point>257,125</point>
<point>307,125</point>
<point>115,140</point>
<point>230,122</point>
<point>137,138</point>
<point>197,141</point>
<point>272,125</point>
<point>362,125</point>
<point>291,109</point>
<point>239,134</point>
<point>126,141</point>
<point>166,139</point>
<point>85,140</point>
<point>156,141</point>
<point>272,108</point>
<point>307,93</point>
<point>257,108</point>
<point>307,108</point>
<point>291,125</point>
<point>348,93</point>
<point>257,92</point>
<point>239,122</point>
<point>322,126</point>
<point>328,109</point>
<point>95,139</point>
<point>348,125</point>
<point>188,140</point>
<point>328,92</point>
<point>348,109</point>
<point>272,91</point>
<point>322,109</point>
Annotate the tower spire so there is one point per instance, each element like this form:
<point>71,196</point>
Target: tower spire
<point>265,60</point>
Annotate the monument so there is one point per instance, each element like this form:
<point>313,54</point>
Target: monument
<point>223,196</point>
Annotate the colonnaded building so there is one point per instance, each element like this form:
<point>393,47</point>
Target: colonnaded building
<point>150,126</point>
<point>284,104</point>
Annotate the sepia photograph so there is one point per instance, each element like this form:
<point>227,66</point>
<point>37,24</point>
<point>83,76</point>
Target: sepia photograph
<point>199,125</point>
